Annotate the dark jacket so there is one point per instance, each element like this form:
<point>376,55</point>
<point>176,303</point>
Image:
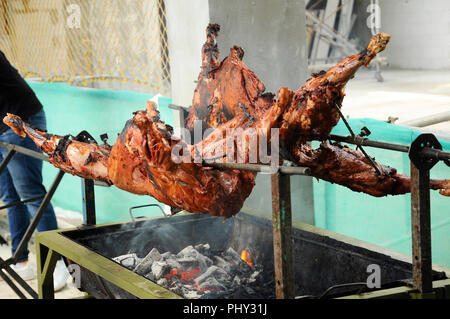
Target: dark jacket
<point>16,96</point>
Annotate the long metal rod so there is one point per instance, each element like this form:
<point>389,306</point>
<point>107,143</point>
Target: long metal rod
<point>421,229</point>
<point>19,280</point>
<point>286,170</point>
<point>22,202</point>
<point>11,284</point>
<point>6,160</point>
<point>427,152</point>
<point>36,218</point>
<point>370,159</point>
<point>25,151</point>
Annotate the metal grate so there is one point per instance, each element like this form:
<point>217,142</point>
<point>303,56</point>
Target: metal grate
<point>83,42</point>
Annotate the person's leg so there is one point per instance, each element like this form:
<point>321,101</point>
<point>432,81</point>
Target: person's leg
<point>18,216</point>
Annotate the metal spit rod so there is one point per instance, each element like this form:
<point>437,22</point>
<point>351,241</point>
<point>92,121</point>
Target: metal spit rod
<point>428,152</point>
<point>285,170</point>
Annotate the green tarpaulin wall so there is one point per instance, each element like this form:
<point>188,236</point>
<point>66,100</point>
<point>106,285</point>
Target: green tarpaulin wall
<point>384,221</point>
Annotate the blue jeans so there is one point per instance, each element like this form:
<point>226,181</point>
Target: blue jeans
<point>22,179</point>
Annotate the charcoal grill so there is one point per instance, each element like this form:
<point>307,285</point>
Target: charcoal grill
<point>322,259</point>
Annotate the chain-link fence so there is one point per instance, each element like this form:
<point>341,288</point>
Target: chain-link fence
<point>120,44</point>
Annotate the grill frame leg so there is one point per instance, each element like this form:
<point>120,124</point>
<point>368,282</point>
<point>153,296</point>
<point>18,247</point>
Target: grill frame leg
<point>282,236</point>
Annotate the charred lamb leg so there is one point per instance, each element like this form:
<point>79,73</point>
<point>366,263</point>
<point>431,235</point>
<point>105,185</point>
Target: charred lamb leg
<point>87,160</point>
<point>225,89</point>
<point>345,166</point>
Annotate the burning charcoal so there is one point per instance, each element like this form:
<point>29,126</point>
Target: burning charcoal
<point>211,272</point>
<point>249,290</point>
<point>188,251</point>
<point>145,265</point>
<point>211,284</point>
<point>222,263</point>
<point>191,294</point>
<point>128,260</point>
<point>163,282</point>
<point>233,255</point>
<point>173,263</point>
<point>244,267</point>
<point>253,276</point>
<point>202,248</point>
<point>150,276</point>
<point>160,268</point>
<point>236,281</point>
<point>204,262</point>
<point>188,262</point>
<point>168,255</point>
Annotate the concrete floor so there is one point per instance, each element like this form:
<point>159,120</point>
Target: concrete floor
<point>69,291</point>
<point>403,94</point>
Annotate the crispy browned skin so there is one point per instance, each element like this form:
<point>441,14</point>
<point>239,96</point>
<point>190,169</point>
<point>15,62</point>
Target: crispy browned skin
<point>227,88</point>
<point>313,113</point>
<point>87,160</point>
<point>142,162</point>
<point>345,166</point>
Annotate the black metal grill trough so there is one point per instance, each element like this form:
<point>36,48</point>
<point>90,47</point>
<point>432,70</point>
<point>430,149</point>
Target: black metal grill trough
<point>324,266</point>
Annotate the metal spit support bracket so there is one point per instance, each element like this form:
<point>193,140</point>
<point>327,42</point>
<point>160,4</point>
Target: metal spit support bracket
<point>421,163</point>
<point>416,154</point>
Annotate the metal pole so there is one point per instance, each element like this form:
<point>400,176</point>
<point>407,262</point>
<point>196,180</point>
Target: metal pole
<point>11,284</point>
<point>282,236</point>
<point>87,190</point>
<point>22,202</point>
<point>37,217</point>
<point>18,279</point>
<point>426,151</point>
<point>286,170</point>
<point>421,229</point>
<point>25,151</point>
<point>6,160</point>
<point>421,165</point>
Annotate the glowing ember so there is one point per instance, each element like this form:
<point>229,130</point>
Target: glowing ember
<point>188,275</point>
<point>183,275</point>
<point>245,256</point>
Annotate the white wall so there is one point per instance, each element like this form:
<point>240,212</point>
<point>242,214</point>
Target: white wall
<point>420,33</point>
<point>186,32</point>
